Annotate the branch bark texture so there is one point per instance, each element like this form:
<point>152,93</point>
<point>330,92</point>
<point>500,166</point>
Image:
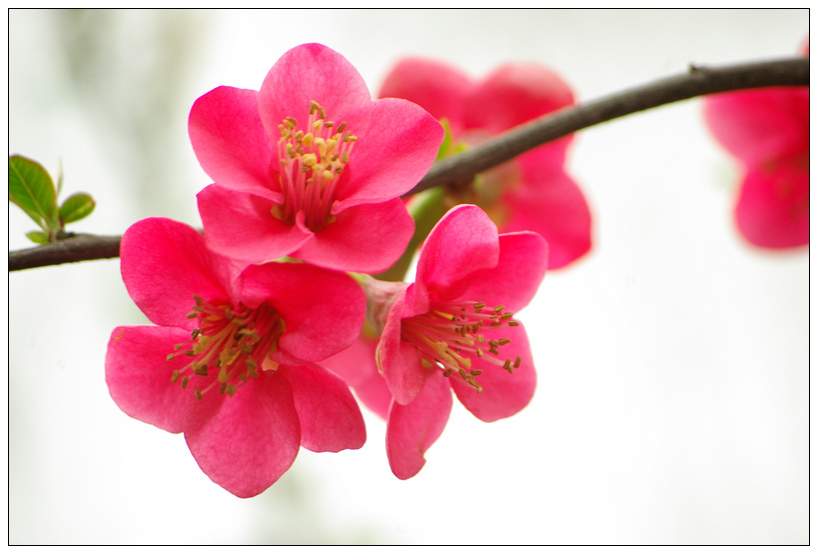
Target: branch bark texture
<point>461,168</point>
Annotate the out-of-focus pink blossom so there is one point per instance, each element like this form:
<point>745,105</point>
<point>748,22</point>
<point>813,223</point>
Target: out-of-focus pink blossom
<point>231,360</point>
<point>767,130</point>
<point>533,192</point>
<point>310,166</point>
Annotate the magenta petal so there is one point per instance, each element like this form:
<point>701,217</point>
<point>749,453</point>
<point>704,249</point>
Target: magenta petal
<point>312,72</point>
<point>400,362</point>
<point>438,88</point>
<point>773,206</point>
<point>413,428</point>
<point>330,418</point>
<point>356,366</point>
<point>368,238</point>
<point>138,375</point>
<point>550,203</point>
<point>517,276</point>
<point>503,394</point>
<point>323,310</point>
<point>760,125</point>
<point>229,140</point>
<point>514,94</point>
<point>462,242</point>
<point>241,226</point>
<point>164,263</point>
<point>253,439</point>
<point>401,144</point>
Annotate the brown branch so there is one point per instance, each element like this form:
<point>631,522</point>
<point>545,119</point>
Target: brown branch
<point>697,82</point>
<point>461,168</point>
<point>75,249</point>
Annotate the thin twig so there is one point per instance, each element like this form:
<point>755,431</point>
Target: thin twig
<point>463,167</point>
<point>75,249</point>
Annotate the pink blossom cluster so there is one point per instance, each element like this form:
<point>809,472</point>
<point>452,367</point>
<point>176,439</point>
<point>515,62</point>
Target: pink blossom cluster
<point>260,323</point>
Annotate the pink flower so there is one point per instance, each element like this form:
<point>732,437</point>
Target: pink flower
<point>309,166</point>
<point>532,192</point>
<point>768,131</point>
<point>453,329</point>
<point>230,361</point>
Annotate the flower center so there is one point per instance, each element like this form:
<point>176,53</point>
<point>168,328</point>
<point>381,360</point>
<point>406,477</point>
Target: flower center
<point>312,161</point>
<point>230,345</point>
<point>450,336</point>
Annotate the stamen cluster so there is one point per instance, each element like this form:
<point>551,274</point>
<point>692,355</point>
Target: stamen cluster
<point>450,333</point>
<point>311,166</point>
<point>233,340</point>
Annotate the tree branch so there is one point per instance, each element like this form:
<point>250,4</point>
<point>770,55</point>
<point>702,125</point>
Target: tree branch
<point>697,81</point>
<point>461,168</point>
<point>75,249</point>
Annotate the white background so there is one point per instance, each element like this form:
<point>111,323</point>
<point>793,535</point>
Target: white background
<point>672,404</point>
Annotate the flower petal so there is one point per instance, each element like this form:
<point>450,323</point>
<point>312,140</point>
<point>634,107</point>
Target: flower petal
<point>323,310</point>
<point>400,362</point>
<point>240,225</point>
<point>514,281</point>
<point>437,87</point>
<point>252,440</point>
<point>138,375</point>
<point>463,242</point>
<point>164,263</point>
<point>229,140</point>
<point>550,203</point>
<point>412,428</point>
<point>773,206</point>
<point>313,72</point>
<point>513,94</point>
<point>397,150</point>
<point>367,239</point>
<point>330,418</point>
<point>503,394</point>
<point>356,366</point>
<point>758,126</point>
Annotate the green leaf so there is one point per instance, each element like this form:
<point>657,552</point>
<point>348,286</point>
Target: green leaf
<point>37,236</point>
<point>31,188</point>
<point>76,207</point>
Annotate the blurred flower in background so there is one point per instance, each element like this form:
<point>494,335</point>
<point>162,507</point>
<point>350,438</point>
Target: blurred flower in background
<point>533,192</point>
<point>767,130</point>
